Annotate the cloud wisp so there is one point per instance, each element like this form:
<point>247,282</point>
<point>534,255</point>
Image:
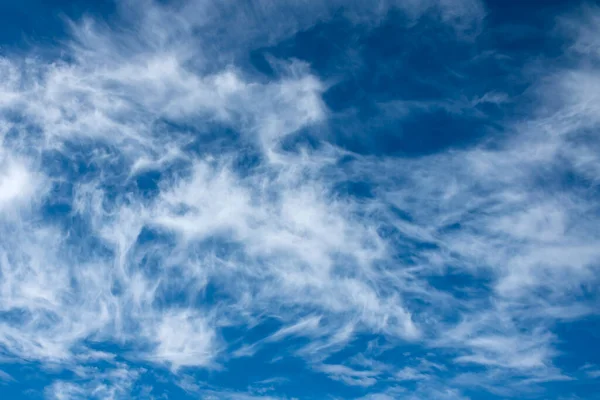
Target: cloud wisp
<point>165,208</point>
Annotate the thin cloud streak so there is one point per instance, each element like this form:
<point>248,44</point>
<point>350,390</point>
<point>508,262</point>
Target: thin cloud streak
<point>206,245</point>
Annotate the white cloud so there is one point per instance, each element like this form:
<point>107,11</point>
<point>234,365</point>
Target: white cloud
<point>110,385</point>
<point>276,240</point>
<point>410,374</point>
<point>184,339</point>
<point>19,183</point>
<point>5,377</point>
<point>348,375</point>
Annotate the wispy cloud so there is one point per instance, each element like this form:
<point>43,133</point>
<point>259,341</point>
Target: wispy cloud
<point>149,201</point>
<point>5,377</point>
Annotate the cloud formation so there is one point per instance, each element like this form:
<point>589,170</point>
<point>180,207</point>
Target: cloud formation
<point>167,208</point>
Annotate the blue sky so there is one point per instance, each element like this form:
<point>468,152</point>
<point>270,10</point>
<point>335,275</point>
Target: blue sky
<point>340,199</point>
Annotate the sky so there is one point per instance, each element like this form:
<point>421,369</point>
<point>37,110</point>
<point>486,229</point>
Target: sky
<point>276,200</point>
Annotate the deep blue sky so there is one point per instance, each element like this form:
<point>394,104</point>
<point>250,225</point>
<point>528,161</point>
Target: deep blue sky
<point>299,200</point>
